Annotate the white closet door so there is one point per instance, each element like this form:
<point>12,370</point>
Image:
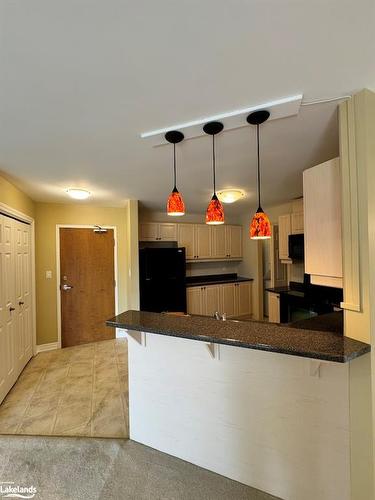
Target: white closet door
<point>9,318</point>
<point>15,301</point>
<point>22,294</point>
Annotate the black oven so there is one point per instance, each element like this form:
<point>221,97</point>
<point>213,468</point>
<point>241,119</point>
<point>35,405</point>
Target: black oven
<point>296,248</point>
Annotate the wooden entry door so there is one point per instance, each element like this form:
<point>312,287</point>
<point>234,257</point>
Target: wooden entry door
<point>87,285</point>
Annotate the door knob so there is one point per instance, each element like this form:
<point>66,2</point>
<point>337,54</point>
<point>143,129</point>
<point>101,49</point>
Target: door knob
<point>66,287</point>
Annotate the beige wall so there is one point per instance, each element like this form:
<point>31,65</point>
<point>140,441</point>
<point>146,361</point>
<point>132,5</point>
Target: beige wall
<point>15,198</point>
<point>48,215</point>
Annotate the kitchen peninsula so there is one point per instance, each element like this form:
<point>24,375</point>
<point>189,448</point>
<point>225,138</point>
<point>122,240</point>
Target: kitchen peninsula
<point>263,404</point>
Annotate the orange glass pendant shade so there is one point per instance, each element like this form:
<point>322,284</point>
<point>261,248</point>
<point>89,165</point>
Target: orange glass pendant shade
<point>175,204</point>
<point>260,227</point>
<point>215,211</point>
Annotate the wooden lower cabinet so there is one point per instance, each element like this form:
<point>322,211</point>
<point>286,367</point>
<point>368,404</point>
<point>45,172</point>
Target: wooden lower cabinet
<point>273,307</point>
<point>234,299</point>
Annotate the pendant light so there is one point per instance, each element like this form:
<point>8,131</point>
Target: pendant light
<point>175,203</point>
<point>260,227</point>
<point>215,211</point>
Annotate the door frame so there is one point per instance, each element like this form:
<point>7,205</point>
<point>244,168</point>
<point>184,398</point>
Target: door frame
<point>7,210</point>
<point>58,273</point>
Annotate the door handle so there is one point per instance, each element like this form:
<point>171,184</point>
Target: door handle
<point>20,303</point>
<point>66,287</point>
<point>11,308</point>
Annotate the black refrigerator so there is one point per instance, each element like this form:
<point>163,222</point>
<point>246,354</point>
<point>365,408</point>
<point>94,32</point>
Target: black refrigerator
<point>162,273</point>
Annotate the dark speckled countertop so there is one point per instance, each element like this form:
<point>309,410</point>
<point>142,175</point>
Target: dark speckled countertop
<point>215,279</point>
<point>262,336</point>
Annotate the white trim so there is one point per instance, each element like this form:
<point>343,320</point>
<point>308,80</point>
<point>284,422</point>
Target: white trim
<point>58,275</point>
<point>47,347</point>
<point>12,212</point>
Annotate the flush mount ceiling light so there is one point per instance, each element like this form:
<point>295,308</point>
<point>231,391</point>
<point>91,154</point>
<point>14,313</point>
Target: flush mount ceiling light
<point>215,211</point>
<point>175,203</point>
<point>78,194</point>
<point>260,227</point>
<point>230,195</point>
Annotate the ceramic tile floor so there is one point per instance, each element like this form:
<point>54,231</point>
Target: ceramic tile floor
<point>76,391</point>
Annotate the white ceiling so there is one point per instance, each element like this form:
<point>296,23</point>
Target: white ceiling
<point>81,79</point>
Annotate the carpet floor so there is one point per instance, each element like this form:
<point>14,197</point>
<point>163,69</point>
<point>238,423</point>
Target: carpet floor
<point>109,469</point>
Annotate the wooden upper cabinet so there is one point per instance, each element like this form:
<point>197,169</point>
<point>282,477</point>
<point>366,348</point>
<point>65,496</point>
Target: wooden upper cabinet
<point>284,232</point>
<point>322,208</point>
<point>148,231</point>
<point>158,231</point>
<point>219,244</point>
<point>167,231</point>
<point>203,241</point>
<point>234,241</point>
<point>297,223</point>
<point>186,238</point>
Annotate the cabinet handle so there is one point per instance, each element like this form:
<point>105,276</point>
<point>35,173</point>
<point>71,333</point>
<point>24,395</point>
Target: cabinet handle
<point>20,303</point>
<point>12,308</point>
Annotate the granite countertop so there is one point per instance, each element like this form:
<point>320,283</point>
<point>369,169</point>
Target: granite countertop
<point>215,279</point>
<point>247,334</point>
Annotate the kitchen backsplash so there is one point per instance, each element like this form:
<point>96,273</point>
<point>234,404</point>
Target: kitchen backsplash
<point>205,268</point>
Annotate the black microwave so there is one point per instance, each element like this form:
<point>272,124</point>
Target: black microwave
<point>296,249</point>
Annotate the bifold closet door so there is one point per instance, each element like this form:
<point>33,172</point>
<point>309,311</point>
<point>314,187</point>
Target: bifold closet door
<point>15,301</point>
<point>22,252</point>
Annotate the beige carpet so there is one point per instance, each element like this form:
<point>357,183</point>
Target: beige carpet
<point>76,391</point>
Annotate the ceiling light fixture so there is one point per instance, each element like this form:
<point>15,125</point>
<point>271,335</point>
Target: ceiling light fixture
<point>78,194</point>
<point>230,195</point>
<point>175,203</point>
<point>260,227</point>
<point>215,211</point>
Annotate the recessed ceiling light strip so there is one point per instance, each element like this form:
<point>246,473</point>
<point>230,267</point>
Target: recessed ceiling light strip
<point>222,116</point>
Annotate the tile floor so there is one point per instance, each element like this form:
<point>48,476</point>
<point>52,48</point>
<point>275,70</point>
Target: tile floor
<point>76,391</point>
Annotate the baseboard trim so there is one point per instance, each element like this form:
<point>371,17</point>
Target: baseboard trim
<point>47,347</point>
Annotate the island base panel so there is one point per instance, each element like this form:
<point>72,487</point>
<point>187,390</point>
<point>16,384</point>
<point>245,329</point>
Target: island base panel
<point>275,422</point>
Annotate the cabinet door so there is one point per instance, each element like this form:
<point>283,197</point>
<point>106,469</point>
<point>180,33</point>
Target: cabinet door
<point>186,239</point>
<point>273,307</point>
<point>203,241</point>
<point>194,297</point>
<point>219,245</point>
<point>243,298</point>
<point>148,231</point>
<point>234,241</point>
<point>297,223</point>
<point>228,299</point>
<point>167,231</point>
<point>284,232</point>
<point>212,299</point>
<point>322,199</point>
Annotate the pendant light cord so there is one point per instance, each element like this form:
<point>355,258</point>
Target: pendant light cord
<point>214,162</point>
<point>258,155</point>
<point>174,166</point>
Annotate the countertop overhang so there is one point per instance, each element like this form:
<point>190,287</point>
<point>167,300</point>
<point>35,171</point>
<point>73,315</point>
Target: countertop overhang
<point>257,335</point>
